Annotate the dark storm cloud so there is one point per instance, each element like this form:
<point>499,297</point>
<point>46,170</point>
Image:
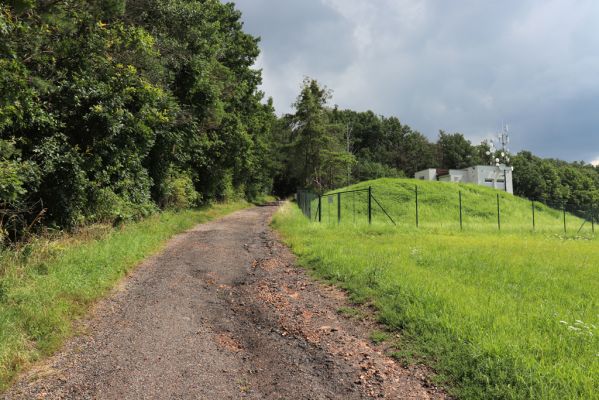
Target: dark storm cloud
<point>459,66</point>
<point>298,38</point>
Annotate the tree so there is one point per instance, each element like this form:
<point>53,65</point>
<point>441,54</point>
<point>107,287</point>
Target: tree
<point>455,151</point>
<point>119,103</point>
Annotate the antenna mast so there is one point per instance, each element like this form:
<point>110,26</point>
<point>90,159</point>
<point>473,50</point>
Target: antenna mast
<point>500,144</point>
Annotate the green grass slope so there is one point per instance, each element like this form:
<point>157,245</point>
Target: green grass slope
<point>507,315</point>
<point>438,204</point>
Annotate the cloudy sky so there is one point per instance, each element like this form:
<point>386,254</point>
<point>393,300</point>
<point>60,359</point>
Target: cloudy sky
<point>461,65</point>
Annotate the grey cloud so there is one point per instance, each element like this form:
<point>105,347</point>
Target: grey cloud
<point>459,66</point>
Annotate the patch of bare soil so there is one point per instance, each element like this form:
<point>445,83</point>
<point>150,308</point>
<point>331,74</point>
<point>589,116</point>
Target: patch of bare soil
<point>223,313</point>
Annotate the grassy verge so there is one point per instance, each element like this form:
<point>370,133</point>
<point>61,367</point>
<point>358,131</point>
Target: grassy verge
<point>506,315</point>
<point>264,199</point>
<point>48,284</point>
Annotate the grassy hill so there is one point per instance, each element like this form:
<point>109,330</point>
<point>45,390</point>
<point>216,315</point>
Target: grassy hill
<point>438,206</point>
<point>510,314</point>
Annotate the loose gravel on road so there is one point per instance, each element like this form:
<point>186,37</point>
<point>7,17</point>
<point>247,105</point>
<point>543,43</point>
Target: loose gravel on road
<point>223,313</point>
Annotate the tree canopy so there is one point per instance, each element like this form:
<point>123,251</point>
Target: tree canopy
<point>107,106</point>
<point>113,109</point>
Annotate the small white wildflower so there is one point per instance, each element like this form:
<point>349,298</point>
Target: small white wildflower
<point>563,322</point>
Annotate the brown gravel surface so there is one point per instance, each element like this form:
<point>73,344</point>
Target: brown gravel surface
<point>223,313</point>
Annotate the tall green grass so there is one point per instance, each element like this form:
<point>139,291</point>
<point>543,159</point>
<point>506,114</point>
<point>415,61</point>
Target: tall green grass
<point>47,284</point>
<point>508,315</point>
<point>438,208</point>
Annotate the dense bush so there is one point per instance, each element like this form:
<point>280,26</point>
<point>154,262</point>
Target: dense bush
<point>179,192</point>
<point>102,100</point>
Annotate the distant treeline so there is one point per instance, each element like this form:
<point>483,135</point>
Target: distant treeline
<point>113,109</point>
<point>322,147</point>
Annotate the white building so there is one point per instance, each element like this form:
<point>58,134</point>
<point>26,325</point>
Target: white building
<point>496,177</point>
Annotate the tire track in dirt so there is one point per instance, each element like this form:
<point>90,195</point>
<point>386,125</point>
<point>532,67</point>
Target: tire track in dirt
<point>222,313</point>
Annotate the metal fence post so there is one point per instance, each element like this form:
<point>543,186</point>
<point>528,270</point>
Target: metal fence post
<point>319,208</point>
<point>369,204</point>
<point>338,208</point>
<point>461,226</point>
<point>564,210</point>
<point>303,200</point>
<point>417,218</point>
<point>533,215</point>
<point>498,214</point>
<point>593,218</point>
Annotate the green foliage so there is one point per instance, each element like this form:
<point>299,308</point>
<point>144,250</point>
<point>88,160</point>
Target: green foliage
<point>64,183</point>
<point>575,185</point>
<point>179,192</point>
<point>104,99</point>
<point>312,150</point>
<point>378,337</point>
<point>15,175</point>
<point>386,141</point>
<point>455,151</point>
<point>317,146</point>
<point>510,315</point>
<point>367,170</point>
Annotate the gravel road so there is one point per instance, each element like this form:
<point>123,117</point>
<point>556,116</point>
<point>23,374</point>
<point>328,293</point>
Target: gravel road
<point>223,313</point>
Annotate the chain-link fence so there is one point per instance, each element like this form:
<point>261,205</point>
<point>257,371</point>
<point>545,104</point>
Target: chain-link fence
<point>405,205</point>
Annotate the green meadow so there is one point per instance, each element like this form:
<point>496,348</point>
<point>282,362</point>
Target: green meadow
<point>48,283</point>
<point>439,208</point>
<point>510,314</point>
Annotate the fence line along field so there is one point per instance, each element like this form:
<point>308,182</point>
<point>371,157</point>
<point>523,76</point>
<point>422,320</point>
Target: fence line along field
<point>497,314</point>
<point>436,205</point>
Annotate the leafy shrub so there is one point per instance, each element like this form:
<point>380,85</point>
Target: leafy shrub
<point>227,189</point>
<point>109,207</point>
<point>179,192</point>
<point>64,184</point>
<point>108,100</point>
<point>367,170</point>
<point>15,174</point>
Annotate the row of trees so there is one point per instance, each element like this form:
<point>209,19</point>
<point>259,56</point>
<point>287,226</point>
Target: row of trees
<point>556,182</point>
<point>110,109</point>
<point>321,147</point>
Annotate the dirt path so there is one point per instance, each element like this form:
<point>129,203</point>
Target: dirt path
<point>222,313</point>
